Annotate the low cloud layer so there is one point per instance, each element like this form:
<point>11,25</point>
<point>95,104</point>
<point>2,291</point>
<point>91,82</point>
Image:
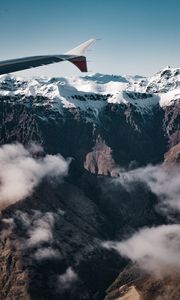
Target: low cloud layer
<point>155,249</point>
<point>21,171</point>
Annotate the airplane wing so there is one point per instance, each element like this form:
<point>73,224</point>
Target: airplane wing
<point>77,58</point>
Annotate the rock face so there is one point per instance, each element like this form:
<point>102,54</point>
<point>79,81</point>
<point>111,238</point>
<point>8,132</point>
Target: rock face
<point>172,157</point>
<point>100,160</point>
<point>107,124</point>
<point>132,284</point>
<point>14,278</point>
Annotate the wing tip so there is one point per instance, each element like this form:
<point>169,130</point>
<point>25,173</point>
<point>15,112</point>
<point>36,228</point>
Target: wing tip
<point>81,49</point>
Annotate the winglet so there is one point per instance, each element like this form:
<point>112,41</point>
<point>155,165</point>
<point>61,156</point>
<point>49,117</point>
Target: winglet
<point>81,49</point>
<point>80,62</point>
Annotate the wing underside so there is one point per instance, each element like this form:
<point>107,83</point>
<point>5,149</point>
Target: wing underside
<point>75,56</point>
<point>20,64</point>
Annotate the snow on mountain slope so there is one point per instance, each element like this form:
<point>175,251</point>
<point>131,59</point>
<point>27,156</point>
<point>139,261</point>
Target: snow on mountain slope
<point>94,91</point>
<point>164,81</point>
<point>170,97</point>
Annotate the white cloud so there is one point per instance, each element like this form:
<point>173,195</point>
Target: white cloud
<point>155,249</point>
<point>165,184</point>
<point>65,280</point>
<point>41,230</point>
<point>46,253</point>
<point>9,221</point>
<point>34,148</point>
<point>20,172</point>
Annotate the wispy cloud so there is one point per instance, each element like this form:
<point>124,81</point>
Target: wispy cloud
<point>41,230</point>
<point>46,253</point>
<point>67,279</point>
<point>21,171</point>
<point>155,249</point>
<point>38,235</point>
<point>163,183</point>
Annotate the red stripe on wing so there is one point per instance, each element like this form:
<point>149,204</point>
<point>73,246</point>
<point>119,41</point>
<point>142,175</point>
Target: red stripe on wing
<point>80,63</point>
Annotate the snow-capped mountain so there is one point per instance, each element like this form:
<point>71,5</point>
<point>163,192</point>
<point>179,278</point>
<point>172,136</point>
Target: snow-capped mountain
<point>93,92</point>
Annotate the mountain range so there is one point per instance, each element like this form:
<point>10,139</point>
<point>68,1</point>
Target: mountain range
<point>88,164</point>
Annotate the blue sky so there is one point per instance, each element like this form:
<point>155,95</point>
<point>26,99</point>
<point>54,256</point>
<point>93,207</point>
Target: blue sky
<point>138,36</point>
